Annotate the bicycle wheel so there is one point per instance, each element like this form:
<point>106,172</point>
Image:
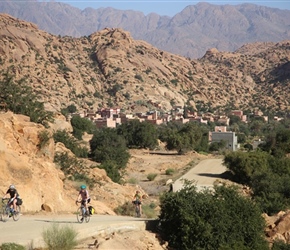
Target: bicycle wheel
<point>87,218</point>
<point>137,211</point>
<point>5,214</point>
<point>16,214</point>
<point>80,215</point>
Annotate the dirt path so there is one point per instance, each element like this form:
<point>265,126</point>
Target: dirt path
<point>204,174</point>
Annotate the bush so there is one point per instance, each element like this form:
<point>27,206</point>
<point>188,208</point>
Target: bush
<point>60,238</point>
<point>280,245</point>
<point>112,170</point>
<point>43,137</point>
<point>11,246</point>
<point>107,146</point>
<point>20,99</point>
<point>151,176</point>
<point>169,171</point>
<point>132,181</point>
<point>211,219</point>
<point>149,211</point>
<point>70,143</point>
<point>126,209</point>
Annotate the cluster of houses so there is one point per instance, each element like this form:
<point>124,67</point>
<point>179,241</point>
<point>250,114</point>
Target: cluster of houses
<point>112,117</point>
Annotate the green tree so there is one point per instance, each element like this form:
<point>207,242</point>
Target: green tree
<point>277,143</point>
<point>216,146</point>
<point>234,119</point>
<point>245,165</point>
<point>81,125</point>
<point>185,137</point>
<point>69,109</point>
<point>139,134</point>
<point>109,148</point>
<point>222,219</point>
<point>20,99</point>
<point>71,143</point>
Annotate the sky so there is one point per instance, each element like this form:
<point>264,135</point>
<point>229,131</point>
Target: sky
<point>163,7</point>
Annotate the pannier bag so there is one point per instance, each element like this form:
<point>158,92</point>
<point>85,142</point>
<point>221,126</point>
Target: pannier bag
<point>92,210</point>
<point>19,202</point>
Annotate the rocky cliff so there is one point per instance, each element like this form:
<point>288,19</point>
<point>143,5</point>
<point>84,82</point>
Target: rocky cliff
<point>42,186</point>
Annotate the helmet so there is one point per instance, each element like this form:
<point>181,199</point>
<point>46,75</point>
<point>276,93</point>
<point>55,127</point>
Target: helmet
<point>83,187</point>
<point>11,187</point>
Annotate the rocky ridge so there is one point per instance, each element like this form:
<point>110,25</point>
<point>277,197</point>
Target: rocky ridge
<point>110,68</point>
<point>189,33</point>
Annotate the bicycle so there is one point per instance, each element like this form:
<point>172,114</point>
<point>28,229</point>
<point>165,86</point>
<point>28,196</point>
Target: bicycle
<point>137,209</point>
<point>82,213</point>
<point>7,211</point>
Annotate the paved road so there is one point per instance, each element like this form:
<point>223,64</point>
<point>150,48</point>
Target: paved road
<point>28,230</point>
<point>203,174</point>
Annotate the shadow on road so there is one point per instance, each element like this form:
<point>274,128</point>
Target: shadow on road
<point>55,221</point>
<point>211,175</point>
<point>225,175</point>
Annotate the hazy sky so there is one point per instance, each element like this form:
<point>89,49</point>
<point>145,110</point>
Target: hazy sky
<point>162,7</point>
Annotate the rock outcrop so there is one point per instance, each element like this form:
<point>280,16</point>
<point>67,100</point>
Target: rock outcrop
<point>40,182</point>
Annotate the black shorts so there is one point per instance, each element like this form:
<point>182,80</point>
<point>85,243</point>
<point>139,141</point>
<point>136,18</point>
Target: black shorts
<point>84,201</point>
<point>136,202</point>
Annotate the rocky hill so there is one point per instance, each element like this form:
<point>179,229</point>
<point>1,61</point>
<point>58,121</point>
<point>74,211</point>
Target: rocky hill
<point>110,68</point>
<point>189,33</point>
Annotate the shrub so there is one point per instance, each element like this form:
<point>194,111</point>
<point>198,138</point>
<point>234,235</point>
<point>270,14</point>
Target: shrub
<point>169,171</point>
<point>126,209</point>
<point>43,137</point>
<point>11,246</point>
<point>112,170</point>
<point>60,238</point>
<point>151,176</point>
<point>149,211</point>
<point>70,143</point>
<point>280,245</point>
<point>21,99</point>
<point>132,181</point>
<point>107,145</point>
<point>73,168</point>
<point>211,219</point>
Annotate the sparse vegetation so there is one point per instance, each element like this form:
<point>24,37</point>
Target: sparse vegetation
<point>169,171</point>
<point>12,246</point>
<point>44,137</point>
<point>132,181</point>
<point>126,209</point>
<point>70,143</point>
<point>151,176</point>
<point>21,99</point>
<point>149,211</point>
<point>60,238</point>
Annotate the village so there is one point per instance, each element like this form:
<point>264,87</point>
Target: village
<point>112,117</point>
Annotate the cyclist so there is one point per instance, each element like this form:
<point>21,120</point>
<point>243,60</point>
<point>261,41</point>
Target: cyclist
<point>84,197</point>
<point>13,197</point>
<point>137,200</point>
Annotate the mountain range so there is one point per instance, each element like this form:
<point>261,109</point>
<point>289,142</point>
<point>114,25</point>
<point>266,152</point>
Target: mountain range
<point>110,69</point>
<point>189,33</point>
